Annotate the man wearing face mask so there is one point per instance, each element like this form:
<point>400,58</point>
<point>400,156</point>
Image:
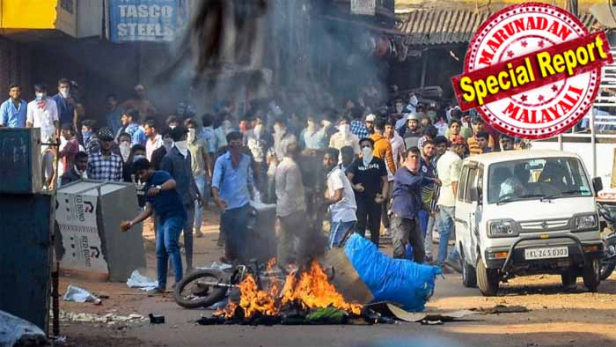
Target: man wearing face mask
<point>178,163</point>
<point>344,137</point>
<point>368,175</point>
<point>313,137</point>
<point>124,146</point>
<point>406,206</point>
<point>201,168</point>
<point>136,152</point>
<point>66,104</point>
<point>43,113</point>
<point>78,171</point>
<point>159,154</point>
<point>90,139</point>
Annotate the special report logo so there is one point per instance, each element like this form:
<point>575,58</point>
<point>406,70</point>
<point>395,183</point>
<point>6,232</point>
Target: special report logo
<point>532,70</point>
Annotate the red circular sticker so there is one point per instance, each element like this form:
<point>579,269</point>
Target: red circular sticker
<point>532,70</point>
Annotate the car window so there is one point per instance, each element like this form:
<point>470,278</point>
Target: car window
<point>537,178</point>
<point>462,185</point>
<point>472,174</point>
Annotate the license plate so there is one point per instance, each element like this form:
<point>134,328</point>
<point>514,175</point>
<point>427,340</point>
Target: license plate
<point>546,253</point>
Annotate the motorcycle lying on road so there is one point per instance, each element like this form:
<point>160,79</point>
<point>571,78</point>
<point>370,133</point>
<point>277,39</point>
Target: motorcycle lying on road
<point>607,209</point>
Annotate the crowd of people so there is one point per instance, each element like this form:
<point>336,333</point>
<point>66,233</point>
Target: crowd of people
<point>385,167</point>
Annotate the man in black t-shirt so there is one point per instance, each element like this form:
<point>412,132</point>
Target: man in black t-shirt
<point>368,176</point>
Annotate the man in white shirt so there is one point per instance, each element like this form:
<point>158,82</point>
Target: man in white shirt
<point>155,141</point>
<point>43,114</point>
<point>448,169</point>
<point>340,199</point>
<point>398,148</point>
<point>344,137</point>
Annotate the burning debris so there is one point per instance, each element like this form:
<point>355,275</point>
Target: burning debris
<point>305,297</point>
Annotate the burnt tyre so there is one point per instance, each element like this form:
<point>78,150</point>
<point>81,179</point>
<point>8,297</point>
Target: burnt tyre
<point>469,275</point>
<point>199,290</point>
<point>592,275</point>
<point>607,267</point>
<point>568,279</point>
<point>487,279</point>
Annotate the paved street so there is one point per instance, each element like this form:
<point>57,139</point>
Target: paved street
<point>555,318</point>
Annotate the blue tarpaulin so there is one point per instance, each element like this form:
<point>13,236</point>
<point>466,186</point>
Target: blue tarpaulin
<point>146,20</point>
<point>399,281</point>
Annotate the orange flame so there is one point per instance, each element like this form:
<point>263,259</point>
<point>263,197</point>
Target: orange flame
<point>311,290</point>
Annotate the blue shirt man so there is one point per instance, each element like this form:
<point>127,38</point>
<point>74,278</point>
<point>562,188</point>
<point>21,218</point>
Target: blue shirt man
<point>167,203</point>
<point>65,102</point>
<point>233,183</point>
<point>13,116</point>
<point>137,134</point>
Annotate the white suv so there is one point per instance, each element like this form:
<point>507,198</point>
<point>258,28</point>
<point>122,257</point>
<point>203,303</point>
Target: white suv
<point>527,212</point>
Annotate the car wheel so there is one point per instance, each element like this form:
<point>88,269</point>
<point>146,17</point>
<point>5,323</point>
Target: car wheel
<point>569,279</point>
<point>592,275</point>
<point>487,280</point>
<point>469,275</point>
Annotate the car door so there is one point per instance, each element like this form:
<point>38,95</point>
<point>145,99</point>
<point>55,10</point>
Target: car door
<point>476,211</point>
<point>462,211</point>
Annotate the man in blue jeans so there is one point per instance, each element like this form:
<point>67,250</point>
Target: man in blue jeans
<point>232,184</point>
<point>163,198</point>
<point>448,170</point>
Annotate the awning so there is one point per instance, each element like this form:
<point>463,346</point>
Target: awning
<point>453,26</point>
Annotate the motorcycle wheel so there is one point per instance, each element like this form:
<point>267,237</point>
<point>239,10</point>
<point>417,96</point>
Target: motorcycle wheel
<point>191,292</point>
<point>607,267</point>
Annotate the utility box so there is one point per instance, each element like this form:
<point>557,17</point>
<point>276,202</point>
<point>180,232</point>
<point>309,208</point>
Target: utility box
<point>262,231</point>
<point>20,161</point>
<point>91,243</point>
<point>25,256</point>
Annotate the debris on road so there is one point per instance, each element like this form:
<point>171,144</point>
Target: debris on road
<point>390,310</point>
<point>136,280</point>
<point>76,294</point>
<point>498,309</point>
<point>157,319</point>
<point>93,318</point>
<point>15,331</point>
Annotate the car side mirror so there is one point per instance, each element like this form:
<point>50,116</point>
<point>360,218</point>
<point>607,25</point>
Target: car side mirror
<point>476,195</point>
<point>597,184</point>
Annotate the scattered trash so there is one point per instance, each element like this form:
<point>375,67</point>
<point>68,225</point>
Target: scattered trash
<point>136,280</point>
<point>157,319</point>
<point>76,294</point>
<point>498,309</point>
<point>393,280</point>
<point>15,331</point>
<point>108,318</point>
<point>426,318</point>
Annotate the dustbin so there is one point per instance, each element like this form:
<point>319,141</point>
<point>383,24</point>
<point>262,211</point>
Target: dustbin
<point>88,215</point>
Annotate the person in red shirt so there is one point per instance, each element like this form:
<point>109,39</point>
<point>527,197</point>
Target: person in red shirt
<point>68,151</point>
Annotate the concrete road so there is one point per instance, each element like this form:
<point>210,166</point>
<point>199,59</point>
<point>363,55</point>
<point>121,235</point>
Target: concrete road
<point>555,318</point>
